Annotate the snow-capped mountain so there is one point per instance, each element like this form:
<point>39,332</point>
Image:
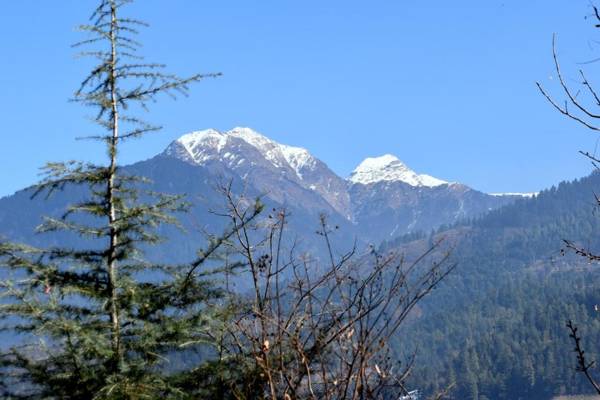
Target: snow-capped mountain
<point>263,162</point>
<point>382,198</point>
<point>390,168</point>
<point>209,145</point>
<point>382,195</point>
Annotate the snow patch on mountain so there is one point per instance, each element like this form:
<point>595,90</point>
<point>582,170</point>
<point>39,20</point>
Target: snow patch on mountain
<point>527,195</point>
<point>199,146</point>
<point>297,158</point>
<point>202,146</point>
<point>390,168</point>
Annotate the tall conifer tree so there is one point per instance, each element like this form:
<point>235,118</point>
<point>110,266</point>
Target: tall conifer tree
<point>102,328</point>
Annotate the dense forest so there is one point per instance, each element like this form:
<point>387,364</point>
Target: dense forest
<point>496,326</point>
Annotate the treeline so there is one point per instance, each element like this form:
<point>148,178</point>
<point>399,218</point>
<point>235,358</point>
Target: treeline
<point>511,342</point>
<point>496,327</point>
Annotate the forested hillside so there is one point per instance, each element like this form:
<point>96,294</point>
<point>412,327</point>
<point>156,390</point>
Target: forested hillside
<point>496,327</point>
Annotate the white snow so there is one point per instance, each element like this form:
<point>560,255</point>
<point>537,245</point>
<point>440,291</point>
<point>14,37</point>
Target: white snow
<point>202,146</point>
<point>298,158</point>
<point>295,157</point>
<point>208,137</point>
<point>528,195</point>
<point>390,168</point>
<point>255,139</point>
<point>430,181</point>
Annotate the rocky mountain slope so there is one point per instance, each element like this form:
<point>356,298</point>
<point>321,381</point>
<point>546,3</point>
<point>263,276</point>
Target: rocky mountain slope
<point>383,198</point>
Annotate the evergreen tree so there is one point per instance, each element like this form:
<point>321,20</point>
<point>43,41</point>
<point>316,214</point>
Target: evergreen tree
<point>99,321</point>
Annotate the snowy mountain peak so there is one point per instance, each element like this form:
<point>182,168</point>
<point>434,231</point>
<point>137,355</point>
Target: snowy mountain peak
<point>198,147</point>
<point>296,157</point>
<point>207,138</point>
<point>253,138</point>
<point>256,158</point>
<point>202,146</point>
<point>389,168</point>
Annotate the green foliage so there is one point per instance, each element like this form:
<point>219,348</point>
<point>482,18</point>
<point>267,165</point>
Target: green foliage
<point>99,321</point>
<point>496,327</point>
<point>510,342</point>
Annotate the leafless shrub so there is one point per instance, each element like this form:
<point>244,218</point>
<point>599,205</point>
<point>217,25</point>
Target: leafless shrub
<point>320,328</point>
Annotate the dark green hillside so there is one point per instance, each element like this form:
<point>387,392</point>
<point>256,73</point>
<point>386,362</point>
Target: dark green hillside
<point>496,327</point>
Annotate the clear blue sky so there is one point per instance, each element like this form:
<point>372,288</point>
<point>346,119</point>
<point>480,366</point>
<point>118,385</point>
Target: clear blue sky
<point>447,86</point>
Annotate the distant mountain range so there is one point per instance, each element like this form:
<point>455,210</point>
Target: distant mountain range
<point>495,327</point>
<point>383,198</point>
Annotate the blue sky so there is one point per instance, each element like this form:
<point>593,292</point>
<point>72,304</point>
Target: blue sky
<point>448,87</point>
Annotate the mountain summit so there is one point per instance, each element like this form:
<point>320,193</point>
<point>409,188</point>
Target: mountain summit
<point>383,198</point>
<point>202,146</point>
<point>274,168</point>
<point>389,168</point>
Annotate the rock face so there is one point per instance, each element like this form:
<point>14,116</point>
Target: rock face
<point>383,198</point>
<point>273,168</point>
<point>389,199</point>
<point>392,208</point>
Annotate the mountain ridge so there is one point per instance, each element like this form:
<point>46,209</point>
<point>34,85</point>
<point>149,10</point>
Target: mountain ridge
<point>284,177</point>
<point>245,151</point>
<point>389,168</point>
<point>202,146</point>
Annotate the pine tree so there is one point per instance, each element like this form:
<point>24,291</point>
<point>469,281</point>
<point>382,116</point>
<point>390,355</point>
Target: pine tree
<point>98,321</point>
